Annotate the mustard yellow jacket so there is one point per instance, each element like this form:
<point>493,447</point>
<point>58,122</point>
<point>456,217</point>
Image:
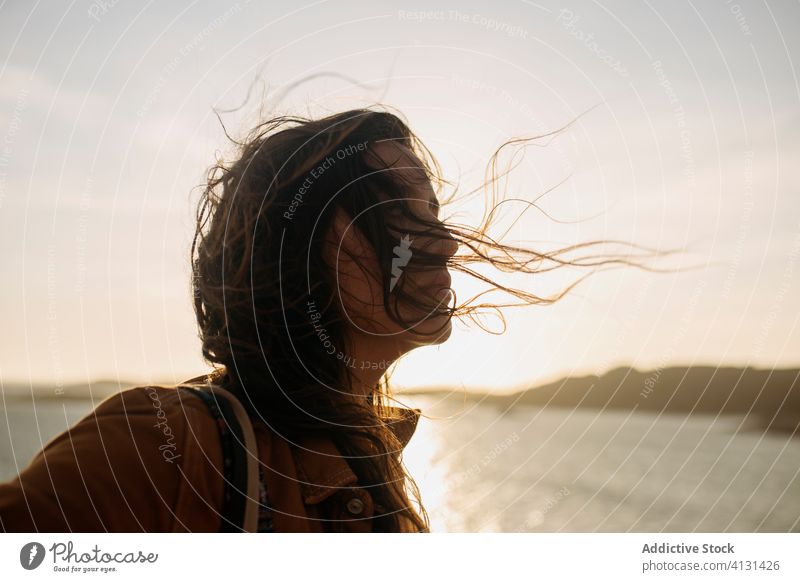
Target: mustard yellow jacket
<point>149,460</point>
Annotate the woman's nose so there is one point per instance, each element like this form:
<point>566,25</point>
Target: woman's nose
<point>451,244</point>
<point>447,245</point>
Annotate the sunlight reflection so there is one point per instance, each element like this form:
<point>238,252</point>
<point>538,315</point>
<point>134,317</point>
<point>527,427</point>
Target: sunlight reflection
<point>419,456</point>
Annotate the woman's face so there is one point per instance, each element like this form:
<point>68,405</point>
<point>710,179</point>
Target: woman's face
<point>426,279</point>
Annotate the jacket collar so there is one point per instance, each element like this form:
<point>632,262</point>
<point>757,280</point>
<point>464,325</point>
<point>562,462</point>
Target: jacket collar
<point>322,470</point>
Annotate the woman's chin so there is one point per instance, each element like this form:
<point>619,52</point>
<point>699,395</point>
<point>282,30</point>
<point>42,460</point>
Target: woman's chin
<point>430,333</point>
<point>441,333</point>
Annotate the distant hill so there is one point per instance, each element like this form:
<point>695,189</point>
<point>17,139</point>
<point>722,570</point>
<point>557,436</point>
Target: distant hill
<point>98,390</point>
<point>769,396</point>
<point>697,389</point>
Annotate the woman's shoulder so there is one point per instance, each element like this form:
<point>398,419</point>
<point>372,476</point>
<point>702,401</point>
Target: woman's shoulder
<point>169,410</point>
<point>146,402</point>
<point>145,459</point>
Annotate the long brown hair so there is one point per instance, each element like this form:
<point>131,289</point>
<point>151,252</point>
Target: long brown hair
<point>266,301</point>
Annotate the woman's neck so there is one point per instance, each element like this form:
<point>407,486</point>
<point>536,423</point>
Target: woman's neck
<point>370,362</point>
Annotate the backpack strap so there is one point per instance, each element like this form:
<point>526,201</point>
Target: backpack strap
<point>240,511</point>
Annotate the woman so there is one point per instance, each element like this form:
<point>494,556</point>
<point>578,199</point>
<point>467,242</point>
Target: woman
<point>319,259</point>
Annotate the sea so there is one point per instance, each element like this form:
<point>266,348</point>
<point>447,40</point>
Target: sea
<point>480,468</point>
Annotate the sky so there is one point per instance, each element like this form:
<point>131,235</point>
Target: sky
<point>685,135</point>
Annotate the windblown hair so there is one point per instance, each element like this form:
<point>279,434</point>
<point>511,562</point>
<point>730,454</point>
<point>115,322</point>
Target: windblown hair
<point>266,302</point>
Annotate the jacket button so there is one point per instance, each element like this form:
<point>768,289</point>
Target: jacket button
<point>355,506</point>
